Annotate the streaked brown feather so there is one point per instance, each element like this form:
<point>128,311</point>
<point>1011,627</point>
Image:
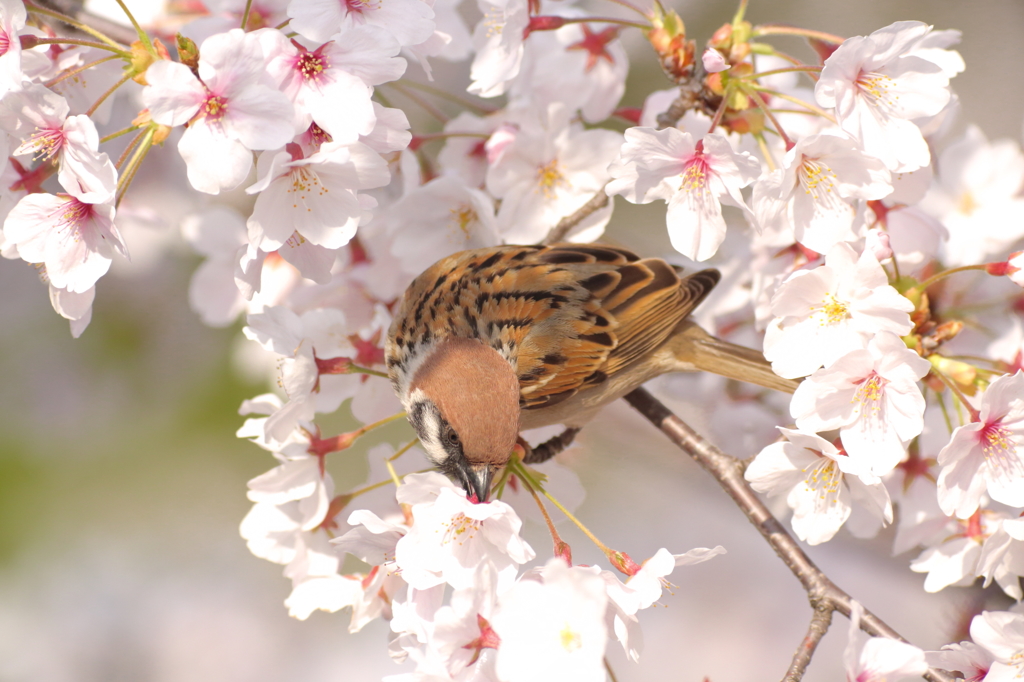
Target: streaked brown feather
<point>565,316</point>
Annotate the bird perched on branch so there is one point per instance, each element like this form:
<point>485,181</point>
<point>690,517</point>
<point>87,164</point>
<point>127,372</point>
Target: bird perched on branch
<point>491,341</point>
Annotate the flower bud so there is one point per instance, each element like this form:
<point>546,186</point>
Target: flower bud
<point>188,53</point>
<point>668,38</point>
<point>877,242</point>
<point>714,61</point>
<point>623,563</point>
<point>563,550</point>
<point>1012,267</point>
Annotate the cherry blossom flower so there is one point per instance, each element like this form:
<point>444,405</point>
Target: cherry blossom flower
<point>694,178</point>
<point>872,396</point>
<point>451,536</point>
<point>975,196</point>
<point>879,659</point>
<point>74,307</point>
<point>74,239</point>
<point>809,195</point>
<point>218,234</point>
<point>583,67</point>
<point>1002,557</point>
<point>315,196</point>
<point>316,334</point>
<point>39,117</point>
<point>553,630</point>
<point>465,156</point>
<point>331,84</point>
<point>955,558</point>
<point>878,84</point>
<point>967,657</point>
<point>1001,634</point>
<point>824,313</point>
<point>231,109</point>
<point>987,454</point>
<point>498,42</point>
<point>411,22</point>
<point>548,170</point>
<point>820,483</point>
<point>647,583</point>
<point>461,218</point>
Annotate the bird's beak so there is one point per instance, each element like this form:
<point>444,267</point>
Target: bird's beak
<point>478,481</point>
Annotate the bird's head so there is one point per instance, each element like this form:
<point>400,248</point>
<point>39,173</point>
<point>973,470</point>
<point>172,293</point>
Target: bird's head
<point>463,401</point>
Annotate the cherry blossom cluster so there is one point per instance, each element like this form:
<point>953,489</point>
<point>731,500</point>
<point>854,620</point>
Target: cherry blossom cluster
<point>862,260</point>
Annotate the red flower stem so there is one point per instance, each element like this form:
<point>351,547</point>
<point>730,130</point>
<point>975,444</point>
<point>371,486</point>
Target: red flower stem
<point>544,512</point>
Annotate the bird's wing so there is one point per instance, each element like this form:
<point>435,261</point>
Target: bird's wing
<point>627,307</point>
<point>566,316</point>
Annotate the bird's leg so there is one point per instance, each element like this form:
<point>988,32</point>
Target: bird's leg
<point>550,447</point>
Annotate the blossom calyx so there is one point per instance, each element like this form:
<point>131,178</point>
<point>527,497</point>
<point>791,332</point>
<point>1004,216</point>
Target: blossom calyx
<point>623,563</point>
<point>488,639</point>
<point>563,550</point>
<point>141,57</point>
<point>544,23</point>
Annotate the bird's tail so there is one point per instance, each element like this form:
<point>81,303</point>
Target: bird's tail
<point>693,349</point>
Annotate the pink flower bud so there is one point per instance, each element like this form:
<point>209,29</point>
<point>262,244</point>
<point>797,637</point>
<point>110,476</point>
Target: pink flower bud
<point>878,244</point>
<point>714,61</point>
<point>1013,268</point>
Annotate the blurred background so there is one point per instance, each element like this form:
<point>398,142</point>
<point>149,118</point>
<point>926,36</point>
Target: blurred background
<point>122,484</point>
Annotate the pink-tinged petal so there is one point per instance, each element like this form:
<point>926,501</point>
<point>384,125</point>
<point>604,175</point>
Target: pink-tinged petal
<point>174,94</point>
<point>1004,399</point>
<point>230,62</point>
<point>212,293</point>
<point>343,107</point>
<point>368,52</point>
<point>290,481</point>
<point>72,305</point>
<point>696,227</point>
<point>885,658</point>
<point>999,632</point>
<point>74,240</point>
<point>214,162</point>
<point>871,437</point>
<point>85,173</point>
<point>312,261</point>
<point>803,292</point>
<point>317,19</point>
<point>952,563</point>
<point>260,118</point>
<point>960,486</point>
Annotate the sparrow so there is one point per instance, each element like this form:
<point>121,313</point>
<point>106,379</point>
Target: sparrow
<point>491,341</point>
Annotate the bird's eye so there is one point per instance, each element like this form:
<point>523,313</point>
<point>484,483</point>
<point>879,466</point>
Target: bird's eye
<point>451,436</point>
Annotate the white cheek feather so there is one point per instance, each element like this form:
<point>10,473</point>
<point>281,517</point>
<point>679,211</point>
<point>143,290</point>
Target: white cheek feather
<point>430,426</point>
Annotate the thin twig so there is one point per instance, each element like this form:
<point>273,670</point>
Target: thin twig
<point>728,471</point>
<point>820,621</point>
<point>565,225</point>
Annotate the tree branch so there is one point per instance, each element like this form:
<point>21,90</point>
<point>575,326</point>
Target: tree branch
<point>728,471</point>
<point>820,621</point>
<point>565,225</point>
